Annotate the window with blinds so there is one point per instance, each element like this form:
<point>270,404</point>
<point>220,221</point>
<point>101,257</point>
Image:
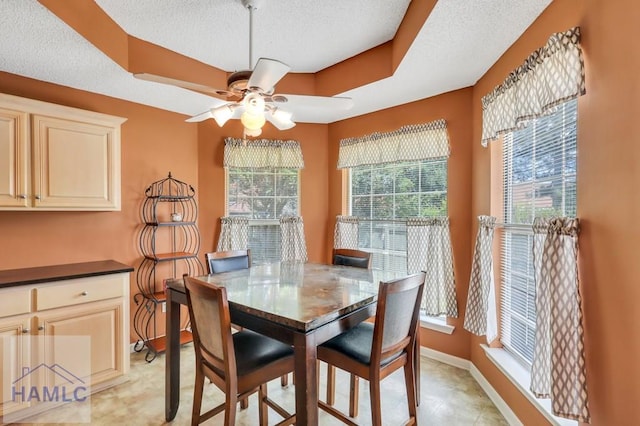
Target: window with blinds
<point>539,176</point>
<point>383,196</point>
<point>264,195</point>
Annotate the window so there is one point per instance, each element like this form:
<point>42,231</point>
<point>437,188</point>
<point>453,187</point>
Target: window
<point>539,177</point>
<point>384,195</point>
<point>263,195</point>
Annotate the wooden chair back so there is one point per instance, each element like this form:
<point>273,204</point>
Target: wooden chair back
<point>211,328</point>
<point>352,257</point>
<point>397,315</point>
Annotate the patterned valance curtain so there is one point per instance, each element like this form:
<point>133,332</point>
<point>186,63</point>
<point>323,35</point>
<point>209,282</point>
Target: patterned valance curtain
<point>346,232</point>
<point>552,75</point>
<point>234,233</point>
<point>293,243</point>
<point>558,370</point>
<point>408,143</point>
<point>429,250</point>
<point>480,317</point>
<point>262,153</point>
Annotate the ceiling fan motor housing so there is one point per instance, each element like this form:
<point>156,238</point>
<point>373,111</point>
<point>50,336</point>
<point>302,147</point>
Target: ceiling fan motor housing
<point>237,82</point>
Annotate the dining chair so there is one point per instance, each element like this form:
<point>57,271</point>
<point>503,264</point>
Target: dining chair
<point>373,351</point>
<point>233,260</point>
<point>351,257</point>
<point>358,259</point>
<point>225,261</point>
<point>239,364</point>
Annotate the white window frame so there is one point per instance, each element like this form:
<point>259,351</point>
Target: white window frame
<point>256,256</point>
<point>433,323</point>
<point>524,230</point>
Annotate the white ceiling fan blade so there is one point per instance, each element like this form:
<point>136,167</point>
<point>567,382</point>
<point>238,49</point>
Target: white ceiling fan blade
<point>200,88</point>
<point>200,117</point>
<point>267,73</point>
<point>280,119</point>
<point>317,102</point>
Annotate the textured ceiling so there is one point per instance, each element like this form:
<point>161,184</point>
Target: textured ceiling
<point>459,41</point>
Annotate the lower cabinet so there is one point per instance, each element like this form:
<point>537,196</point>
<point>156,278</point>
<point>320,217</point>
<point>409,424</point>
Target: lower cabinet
<point>98,327</point>
<point>15,350</point>
<point>62,341</point>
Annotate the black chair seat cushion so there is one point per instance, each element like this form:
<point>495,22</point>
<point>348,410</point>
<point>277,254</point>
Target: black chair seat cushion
<point>356,344</point>
<point>358,262</point>
<point>254,351</point>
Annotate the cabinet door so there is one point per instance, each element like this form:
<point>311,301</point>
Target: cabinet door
<point>100,325</point>
<point>76,165</point>
<point>15,353</point>
<point>14,158</point>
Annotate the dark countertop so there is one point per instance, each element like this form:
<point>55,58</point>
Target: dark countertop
<point>24,276</point>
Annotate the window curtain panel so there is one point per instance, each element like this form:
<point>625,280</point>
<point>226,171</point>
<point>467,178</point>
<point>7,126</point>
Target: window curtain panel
<point>346,232</point>
<point>293,244</point>
<point>262,153</point>
<point>429,250</point>
<point>408,143</point>
<point>558,370</point>
<point>552,75</point>
<point>234,233</point>
<point>481,314</point>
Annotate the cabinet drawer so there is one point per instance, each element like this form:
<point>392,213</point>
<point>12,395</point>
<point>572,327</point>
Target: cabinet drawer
<point>15,302</point>
<point>78,291</point>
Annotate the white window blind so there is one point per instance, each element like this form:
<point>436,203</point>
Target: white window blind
<point>263,195</point>
<point>383,196</point>
<point>539,177</point>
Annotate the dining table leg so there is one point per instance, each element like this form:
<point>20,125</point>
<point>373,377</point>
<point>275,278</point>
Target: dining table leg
<point>172,361</point>
<point>306,379</point>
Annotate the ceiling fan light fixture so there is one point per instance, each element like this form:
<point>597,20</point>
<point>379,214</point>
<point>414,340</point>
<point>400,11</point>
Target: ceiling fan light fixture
<point>252,133</point>
<point>282,119</point>
<point>222,114</point>
<point>254,104</point>
<point>252,121</point>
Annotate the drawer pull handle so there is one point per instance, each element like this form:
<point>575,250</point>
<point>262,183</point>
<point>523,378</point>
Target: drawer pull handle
<point>40,328</point>
<point>84,293</point>
<point>23,196</point>
<point>25,330</point>
<point>38,197</point>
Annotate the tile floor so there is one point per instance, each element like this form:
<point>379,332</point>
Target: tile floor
<point>450,396</point>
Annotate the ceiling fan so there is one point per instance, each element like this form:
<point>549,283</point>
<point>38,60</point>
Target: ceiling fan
<point>250,93</point>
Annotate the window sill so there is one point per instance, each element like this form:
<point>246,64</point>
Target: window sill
<point>521,378</point>
<point>436,324</point>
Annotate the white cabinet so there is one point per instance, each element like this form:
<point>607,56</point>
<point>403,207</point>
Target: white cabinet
<point>14,158</point>
<point>80,326</point>
<point>15,345</point>
<point>54,157</point>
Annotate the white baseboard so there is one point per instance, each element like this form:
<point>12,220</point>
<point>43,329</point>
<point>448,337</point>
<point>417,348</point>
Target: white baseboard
<point>465,364</point>
<point>502,406</point>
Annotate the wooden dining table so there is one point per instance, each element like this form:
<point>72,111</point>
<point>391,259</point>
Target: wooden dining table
<point>301,304</point>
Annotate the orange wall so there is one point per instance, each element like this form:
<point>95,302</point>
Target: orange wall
<point>154,142</point>
<point>455,108</point>
<point>313,180</point>
<point>608,200</point>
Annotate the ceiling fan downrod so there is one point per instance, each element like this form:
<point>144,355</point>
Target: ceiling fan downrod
<point>251,5</point>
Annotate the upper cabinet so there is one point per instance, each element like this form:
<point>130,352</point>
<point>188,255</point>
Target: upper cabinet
<point>54,157</point>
